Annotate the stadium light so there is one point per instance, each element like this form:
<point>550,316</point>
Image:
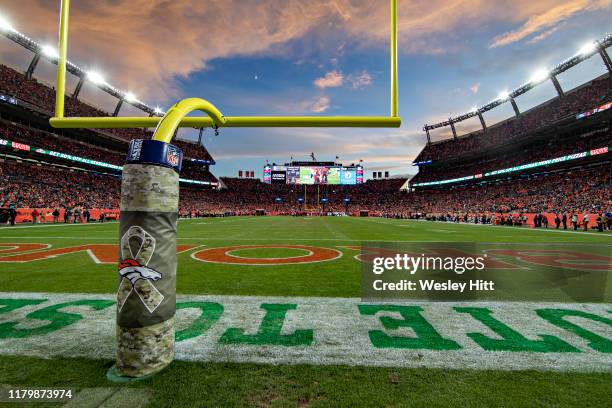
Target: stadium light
<point>49,51</point>
<point>96,78</point>
<point>503,96</point>
<point>587,48</point>
<point>130,97</point>
<point>158,110</point>
<point>474,109</point>
<point>5,25</point>
<point>539,76</point>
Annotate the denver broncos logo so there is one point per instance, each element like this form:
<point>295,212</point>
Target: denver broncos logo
<point>134,271</point>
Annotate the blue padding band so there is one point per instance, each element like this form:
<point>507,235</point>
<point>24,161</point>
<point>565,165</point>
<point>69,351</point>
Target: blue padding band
<point>155,152</point>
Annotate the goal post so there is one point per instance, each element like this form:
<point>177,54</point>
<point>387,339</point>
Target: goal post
<point>146,296</point>
<point>61,121</point>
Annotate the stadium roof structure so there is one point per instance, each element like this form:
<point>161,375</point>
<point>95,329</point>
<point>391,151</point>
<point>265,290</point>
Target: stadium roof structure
<point>50,54</point>
<point>586,52</point>
<point>214,118</point>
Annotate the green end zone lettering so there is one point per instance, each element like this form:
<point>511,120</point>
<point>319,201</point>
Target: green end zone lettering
<point>478,335</point>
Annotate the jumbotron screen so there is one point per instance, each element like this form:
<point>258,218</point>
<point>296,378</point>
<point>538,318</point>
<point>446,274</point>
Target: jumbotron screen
<point>333,175</point>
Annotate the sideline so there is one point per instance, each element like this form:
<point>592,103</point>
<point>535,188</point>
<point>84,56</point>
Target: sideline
<point>47,225</point>
<point>61,224</point>
<point>527,229</point>
<point>321,331</point>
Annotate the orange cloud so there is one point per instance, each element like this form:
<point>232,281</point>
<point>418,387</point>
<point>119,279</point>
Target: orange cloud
<point>361,80</point>
<point>145,45</point>
<point>549,18</point>
<point>319,105</point>
<point>332,79</point>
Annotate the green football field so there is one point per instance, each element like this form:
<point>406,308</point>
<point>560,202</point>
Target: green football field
<point>270,314</point>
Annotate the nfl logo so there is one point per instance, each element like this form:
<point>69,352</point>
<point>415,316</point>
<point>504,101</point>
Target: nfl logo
<point>172,157</point>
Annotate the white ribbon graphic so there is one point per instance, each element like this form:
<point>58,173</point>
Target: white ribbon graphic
<point>137,276</point>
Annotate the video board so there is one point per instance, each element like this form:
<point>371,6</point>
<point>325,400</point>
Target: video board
<point>313,175</point>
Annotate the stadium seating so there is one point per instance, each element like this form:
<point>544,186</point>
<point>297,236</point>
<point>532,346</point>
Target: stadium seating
<point>14,83</point>
<point>588,96</point>
<point>548,148</point>
<point>51,141</point>
<point>31,184</point>
<point>28,185</point>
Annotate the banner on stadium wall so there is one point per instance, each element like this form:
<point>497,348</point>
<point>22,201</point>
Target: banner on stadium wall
<point>27,148</point>
<point>575,156</point>
<point>46,215</point>
<point>598,109</point>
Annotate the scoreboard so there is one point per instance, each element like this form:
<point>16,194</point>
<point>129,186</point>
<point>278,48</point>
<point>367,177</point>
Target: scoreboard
<point>312,175</point>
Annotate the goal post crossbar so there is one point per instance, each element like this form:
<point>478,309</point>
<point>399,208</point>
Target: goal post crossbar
<point>60,121</point>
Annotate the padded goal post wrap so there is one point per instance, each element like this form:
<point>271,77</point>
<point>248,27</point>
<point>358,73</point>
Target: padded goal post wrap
<point>146,298</point>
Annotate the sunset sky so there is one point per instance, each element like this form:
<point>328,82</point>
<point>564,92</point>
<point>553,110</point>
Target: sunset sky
<point>317,57</point>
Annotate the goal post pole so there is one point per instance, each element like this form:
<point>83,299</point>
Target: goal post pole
<point>394,85</point>
<point>60,90</point>
<point>146,297</point>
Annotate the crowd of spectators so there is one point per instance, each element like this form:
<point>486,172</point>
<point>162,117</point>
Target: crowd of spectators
<point>30,185</point>
<point>588,96</point>
<point>33,186</point>
<point>247,196</point>
<point>549,148</point>
<point>586,190</point>
<point>14,83</point>
<point>51,141</point>
<point>576,190</point>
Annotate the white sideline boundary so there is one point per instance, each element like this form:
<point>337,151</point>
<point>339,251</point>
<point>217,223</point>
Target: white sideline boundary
<point>527,228</point>
<point>61,224</point>
<point>341,334</point>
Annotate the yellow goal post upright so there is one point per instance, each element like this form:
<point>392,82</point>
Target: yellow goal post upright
<point>146,296</point>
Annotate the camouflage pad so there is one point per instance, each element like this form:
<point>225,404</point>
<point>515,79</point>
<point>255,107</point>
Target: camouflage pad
<point>146,350</point>
<point>146,299</point>
<point>125,290</point>
<point>148,187</point>
<point>148,294</point>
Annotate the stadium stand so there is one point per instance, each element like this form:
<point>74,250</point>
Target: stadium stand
<point>31,185</point>
<point>47,140</point>
<point>15,84</point>
<point>532,150</point>
<point>586,96</point>
<point>29,180</point>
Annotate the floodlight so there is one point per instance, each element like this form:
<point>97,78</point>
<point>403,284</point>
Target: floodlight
<point>49,51</point>
<point>587,48</point>
<point>158,110</point>
<point>503,96</point>
<point>96,78</point>
<point>540,75</point>
<point>5,25</point>
<point>474,109</point>
<point>130,97</point>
